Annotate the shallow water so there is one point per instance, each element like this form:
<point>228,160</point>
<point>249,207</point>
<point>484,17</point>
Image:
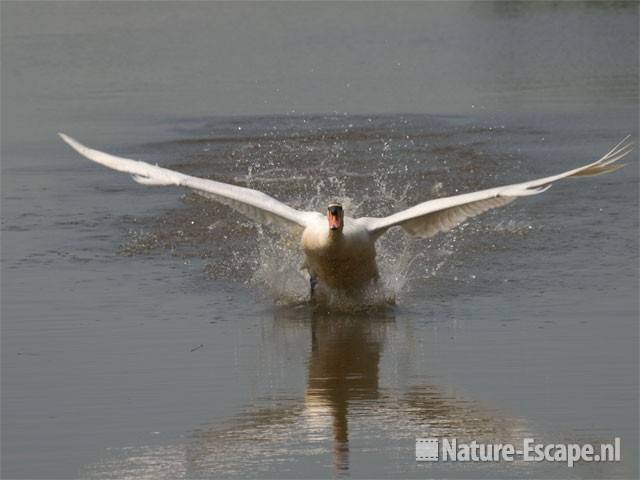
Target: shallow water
<point>150,333</point>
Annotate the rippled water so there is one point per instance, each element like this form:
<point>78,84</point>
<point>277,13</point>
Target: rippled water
<point>151,333</point>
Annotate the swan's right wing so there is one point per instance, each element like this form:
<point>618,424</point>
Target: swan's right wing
<point>442,214</point>
<point>254,204</point>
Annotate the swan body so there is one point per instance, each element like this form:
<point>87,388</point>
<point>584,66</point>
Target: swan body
<point>340,251</point>
<point>344,260</point>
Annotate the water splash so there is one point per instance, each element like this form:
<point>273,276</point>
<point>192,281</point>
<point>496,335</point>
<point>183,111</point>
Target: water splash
<point>373,168</point>
<point>280,269</point>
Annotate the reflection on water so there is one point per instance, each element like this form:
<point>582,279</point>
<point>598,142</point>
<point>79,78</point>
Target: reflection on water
<point>343,368</point>
<point>343,410</point>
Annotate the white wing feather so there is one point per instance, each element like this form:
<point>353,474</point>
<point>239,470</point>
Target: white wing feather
<point>442,214</point>
<point>251,203</point>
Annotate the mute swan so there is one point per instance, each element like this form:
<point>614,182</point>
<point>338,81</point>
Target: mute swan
<point>340,251</point>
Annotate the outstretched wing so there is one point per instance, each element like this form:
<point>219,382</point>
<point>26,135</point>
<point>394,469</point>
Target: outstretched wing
<point>442,214</point>
<point>254,204</point>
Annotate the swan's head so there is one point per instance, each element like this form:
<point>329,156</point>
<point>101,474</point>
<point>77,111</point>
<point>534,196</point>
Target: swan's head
<point>335,215</point>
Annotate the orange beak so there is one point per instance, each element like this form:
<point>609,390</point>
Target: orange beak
<point>335,221</point>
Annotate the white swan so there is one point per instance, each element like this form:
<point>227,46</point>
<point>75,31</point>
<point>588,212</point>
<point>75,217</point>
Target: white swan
<point>340,251</point>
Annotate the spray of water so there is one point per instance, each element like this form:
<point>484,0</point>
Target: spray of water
<point>280,270</point>
<point>372,170</point>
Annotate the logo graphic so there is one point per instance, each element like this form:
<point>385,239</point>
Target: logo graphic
<point>427,449</point>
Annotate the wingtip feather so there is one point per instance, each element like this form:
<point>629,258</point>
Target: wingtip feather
<point>65,137</point>
<point>599,170</point>
<point>72,142</point>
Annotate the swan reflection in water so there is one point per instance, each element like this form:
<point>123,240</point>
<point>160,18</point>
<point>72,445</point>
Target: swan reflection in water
<point>343,401</point>
<point>343,369</point>
<point>344,410</point>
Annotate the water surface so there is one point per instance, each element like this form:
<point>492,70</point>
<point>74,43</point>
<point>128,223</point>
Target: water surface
<point>150,333</point>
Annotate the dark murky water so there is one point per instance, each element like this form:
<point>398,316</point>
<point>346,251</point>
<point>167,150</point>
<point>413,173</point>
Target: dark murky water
<point>149,333</point>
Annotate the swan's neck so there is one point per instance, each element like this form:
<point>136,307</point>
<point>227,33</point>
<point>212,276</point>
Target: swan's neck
<point>335,237</point>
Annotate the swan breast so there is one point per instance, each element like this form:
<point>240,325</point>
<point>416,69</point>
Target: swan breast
<point>344,260</point>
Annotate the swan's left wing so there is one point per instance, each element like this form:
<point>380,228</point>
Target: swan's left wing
<point>254,204</point>
<point>442,214</point>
